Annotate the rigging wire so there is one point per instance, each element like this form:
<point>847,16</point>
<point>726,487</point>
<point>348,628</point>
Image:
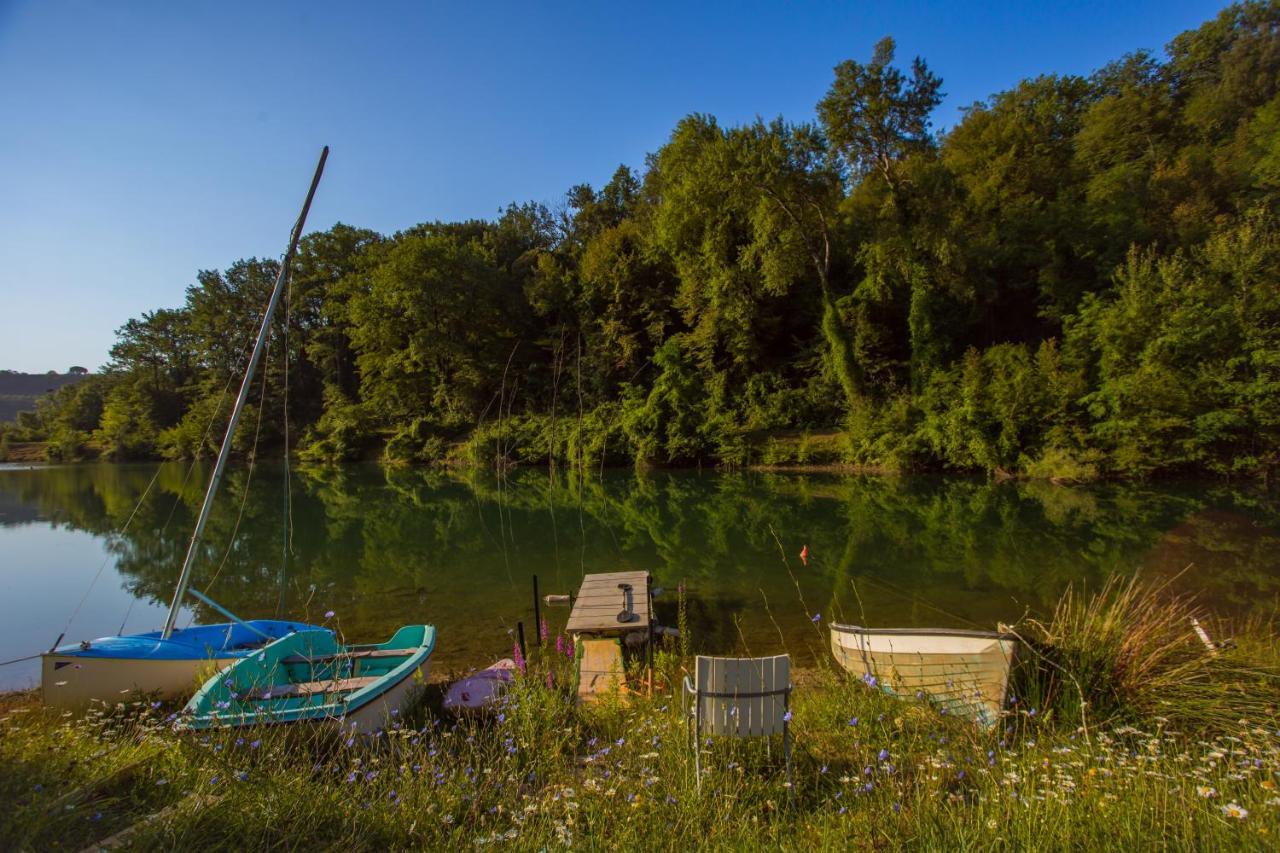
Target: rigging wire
<point>106,559</point>
<point>195,460</point>
<point>244,498</point>
<point>286,544</point>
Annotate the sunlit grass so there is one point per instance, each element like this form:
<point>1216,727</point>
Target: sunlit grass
<point>544,773</point>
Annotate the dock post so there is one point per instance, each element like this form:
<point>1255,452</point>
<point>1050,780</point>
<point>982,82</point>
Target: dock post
<point>537,612</point>
<point>520,639</point>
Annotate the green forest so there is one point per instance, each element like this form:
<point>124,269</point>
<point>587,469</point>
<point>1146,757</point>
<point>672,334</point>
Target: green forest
<point>1079,279</point>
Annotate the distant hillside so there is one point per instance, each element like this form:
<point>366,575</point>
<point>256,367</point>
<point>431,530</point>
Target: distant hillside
<point>19,391</point>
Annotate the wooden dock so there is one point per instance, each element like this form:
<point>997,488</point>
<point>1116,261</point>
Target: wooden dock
<point>608,608</point>
<point>601,601</point>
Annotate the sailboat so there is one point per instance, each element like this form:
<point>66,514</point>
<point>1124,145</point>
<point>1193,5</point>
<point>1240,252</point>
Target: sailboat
<point>172,662</point>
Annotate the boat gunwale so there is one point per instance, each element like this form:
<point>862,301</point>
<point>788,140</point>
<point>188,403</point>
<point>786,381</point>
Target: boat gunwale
<point>925,632</point>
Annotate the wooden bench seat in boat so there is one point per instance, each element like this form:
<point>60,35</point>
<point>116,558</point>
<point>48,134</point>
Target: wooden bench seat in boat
<point>310,688</point>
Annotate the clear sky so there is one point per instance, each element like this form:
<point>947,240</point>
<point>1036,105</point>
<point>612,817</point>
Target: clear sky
<point>143,141</point>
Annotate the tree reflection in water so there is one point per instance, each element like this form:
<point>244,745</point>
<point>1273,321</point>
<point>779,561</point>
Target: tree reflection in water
<point>383,547</point>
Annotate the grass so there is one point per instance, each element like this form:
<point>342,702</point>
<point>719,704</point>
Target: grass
<point>872,771</point>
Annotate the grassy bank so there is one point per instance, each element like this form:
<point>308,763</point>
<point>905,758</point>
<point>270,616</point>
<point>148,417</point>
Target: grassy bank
<point>1193,762</point>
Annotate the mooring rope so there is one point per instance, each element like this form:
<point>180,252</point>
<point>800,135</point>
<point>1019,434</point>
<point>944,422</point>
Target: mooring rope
<point>20,660</point>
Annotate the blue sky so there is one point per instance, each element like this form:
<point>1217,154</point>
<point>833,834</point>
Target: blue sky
<point>143,141</point>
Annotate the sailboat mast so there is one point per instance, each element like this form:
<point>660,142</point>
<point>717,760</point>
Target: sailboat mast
<point>184,578</point>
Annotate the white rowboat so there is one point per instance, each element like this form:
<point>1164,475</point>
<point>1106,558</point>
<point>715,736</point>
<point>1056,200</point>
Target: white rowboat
<point>964,672</point>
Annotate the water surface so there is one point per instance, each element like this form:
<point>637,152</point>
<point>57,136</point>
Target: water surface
<point>382,548</point>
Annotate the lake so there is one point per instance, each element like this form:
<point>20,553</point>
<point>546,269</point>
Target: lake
<point>385,547</point>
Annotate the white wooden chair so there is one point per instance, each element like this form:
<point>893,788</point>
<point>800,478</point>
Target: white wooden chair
<point>739,697</point>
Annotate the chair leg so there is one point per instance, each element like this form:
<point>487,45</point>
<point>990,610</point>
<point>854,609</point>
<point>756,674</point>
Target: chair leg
<point>786,748</point>
<point>697,759</point>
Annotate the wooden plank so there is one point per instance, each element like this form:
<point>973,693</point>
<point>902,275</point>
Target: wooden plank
<point>605,577</point>
<point>599,601</point>
<point>122,837</point>
<point>310,688</point>
<point>97,786</point>
<point>611,608</point>
<point>600,670</point>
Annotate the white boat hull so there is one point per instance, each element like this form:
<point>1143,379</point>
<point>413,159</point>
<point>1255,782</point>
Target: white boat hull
<point>965,672</point>
<point>74,681</point>
<point>380,712</point>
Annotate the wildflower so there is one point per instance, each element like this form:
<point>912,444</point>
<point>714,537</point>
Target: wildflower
<point>1235,811</point>
<point>853,721</point>
<point>804,555</point>
<point>1205,792</point>
<point>254,744</point>
<point>543,631</point>
<point>328,614</point>
<point>517,656</point>
<point>816,618</point>
<point>242,775</point>
<point>884,755</point>
<point>786,718</point>
<point>559,644</point>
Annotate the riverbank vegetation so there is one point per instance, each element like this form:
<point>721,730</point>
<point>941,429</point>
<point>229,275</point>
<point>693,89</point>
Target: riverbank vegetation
<point>1077,279</point>
<point>1171,746</point>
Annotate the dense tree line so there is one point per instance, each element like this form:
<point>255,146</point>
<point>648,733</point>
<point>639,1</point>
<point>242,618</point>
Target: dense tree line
<point>1081,278</point>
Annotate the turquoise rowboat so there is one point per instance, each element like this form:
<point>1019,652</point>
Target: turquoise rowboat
<point>310,676</point>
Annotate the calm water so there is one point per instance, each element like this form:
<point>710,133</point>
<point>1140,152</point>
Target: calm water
<point>384,548</point>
